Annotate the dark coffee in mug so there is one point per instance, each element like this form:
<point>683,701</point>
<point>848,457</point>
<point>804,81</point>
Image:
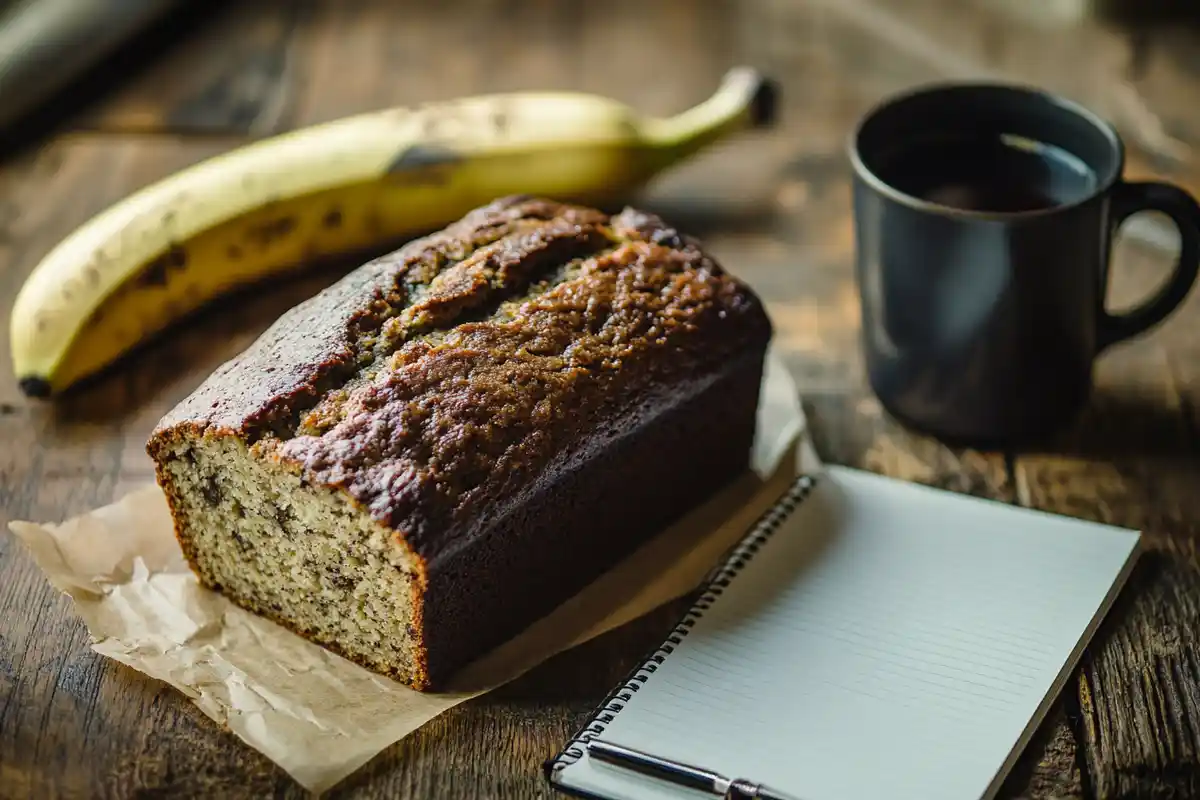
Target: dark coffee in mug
<point>984,217</point>
<point>1000,172</point>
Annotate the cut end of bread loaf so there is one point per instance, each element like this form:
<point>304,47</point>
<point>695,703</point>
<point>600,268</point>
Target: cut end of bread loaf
<point>300,555</point>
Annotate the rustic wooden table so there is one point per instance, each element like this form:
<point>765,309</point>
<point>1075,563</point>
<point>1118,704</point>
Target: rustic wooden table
<point>774,208</point>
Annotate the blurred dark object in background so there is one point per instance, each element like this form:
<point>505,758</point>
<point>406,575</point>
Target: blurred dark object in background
<point>1148,13</point>
<point>47,45</point>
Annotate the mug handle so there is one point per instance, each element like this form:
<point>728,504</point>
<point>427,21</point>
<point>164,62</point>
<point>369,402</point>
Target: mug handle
<point>1129,199</point>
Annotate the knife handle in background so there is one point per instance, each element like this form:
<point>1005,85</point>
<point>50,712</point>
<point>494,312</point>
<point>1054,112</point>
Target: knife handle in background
<point>46,44</point>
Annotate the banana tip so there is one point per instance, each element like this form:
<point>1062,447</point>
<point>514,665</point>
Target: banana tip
<point>764,106</point>
<point>762,93</point>
<point>35,387</point>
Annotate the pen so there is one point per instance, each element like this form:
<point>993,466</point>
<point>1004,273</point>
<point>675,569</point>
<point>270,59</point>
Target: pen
<point>681,774</point>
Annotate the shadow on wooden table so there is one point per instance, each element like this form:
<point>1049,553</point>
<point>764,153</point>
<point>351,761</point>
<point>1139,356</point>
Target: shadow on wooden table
<point>1120,424</point>
<point>706,216</point>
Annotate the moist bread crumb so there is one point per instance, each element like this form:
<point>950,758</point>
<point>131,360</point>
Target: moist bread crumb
<point>431,454</point>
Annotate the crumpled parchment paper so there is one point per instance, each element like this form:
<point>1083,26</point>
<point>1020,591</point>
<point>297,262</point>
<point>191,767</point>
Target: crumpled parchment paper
<point>317,715</point>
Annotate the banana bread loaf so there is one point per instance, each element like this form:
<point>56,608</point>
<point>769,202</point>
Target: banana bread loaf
<point>436,451</point>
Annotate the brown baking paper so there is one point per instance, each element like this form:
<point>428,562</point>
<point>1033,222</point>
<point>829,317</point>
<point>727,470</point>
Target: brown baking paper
<point>317,715</point>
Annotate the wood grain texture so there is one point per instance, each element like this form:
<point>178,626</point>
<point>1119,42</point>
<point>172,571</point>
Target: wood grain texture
<point>774,208</point>
<point>1129,460</point>
<point>214,68</point>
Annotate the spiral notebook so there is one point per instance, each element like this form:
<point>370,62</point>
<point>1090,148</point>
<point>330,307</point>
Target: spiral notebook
<point>869,638</point>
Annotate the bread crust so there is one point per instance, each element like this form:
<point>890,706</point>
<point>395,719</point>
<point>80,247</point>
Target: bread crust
<point>441,387</point>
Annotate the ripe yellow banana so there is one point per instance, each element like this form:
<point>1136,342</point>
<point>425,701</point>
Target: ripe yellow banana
<point>343,186</point>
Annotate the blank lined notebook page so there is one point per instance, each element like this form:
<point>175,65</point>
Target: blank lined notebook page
<point>886,641</point>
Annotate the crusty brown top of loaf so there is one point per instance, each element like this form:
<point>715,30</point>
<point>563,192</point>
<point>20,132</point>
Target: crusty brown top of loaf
<point>448,373</point>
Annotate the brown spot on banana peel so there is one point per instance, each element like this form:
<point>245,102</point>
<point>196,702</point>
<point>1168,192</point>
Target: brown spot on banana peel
<point>430,120</point>
<point>421,157</point>
<point>157,272</point>
<point>424,165</point>
<point>332,218</point>
<point>233,252</point>
<point>264,234</point>
<point>499,119</point>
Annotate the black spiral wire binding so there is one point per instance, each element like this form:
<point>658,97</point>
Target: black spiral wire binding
<point>738,558</point>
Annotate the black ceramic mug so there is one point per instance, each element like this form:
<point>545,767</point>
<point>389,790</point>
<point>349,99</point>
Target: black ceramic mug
<point>984,221</point>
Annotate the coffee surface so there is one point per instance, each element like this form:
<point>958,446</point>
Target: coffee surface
<point>993,174</point>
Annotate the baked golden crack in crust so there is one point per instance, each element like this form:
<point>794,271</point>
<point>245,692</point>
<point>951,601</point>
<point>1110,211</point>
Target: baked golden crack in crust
<point>434,452</point>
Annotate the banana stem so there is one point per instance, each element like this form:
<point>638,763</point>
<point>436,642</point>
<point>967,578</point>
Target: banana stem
<point>744,99</point>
